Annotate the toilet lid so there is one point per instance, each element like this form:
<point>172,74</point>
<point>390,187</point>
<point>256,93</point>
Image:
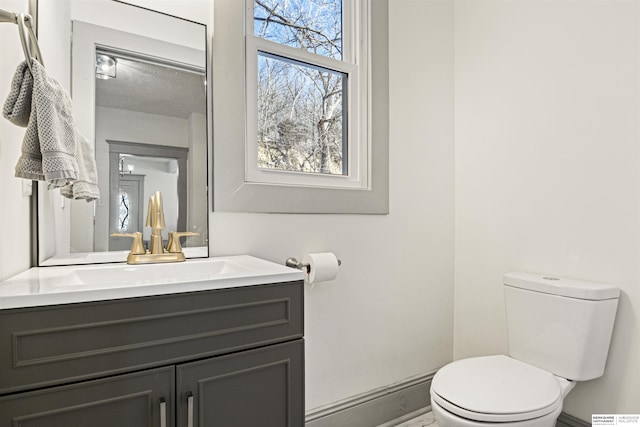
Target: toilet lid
<point>496,389</point>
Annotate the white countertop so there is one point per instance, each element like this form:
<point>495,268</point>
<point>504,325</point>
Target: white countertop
<point>42,286</point>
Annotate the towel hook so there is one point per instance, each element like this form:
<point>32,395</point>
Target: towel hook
<point>23,38</point>
<point>28,22</point>
<point>24,23</point>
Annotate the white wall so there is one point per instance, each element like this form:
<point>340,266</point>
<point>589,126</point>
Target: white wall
<point>388,315</point>
<point>14,214</point>
<point>547,168</point>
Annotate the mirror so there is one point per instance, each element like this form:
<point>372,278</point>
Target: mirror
<point>138,84</point>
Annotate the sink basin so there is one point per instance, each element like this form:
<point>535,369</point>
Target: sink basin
<point>119,275</point>
<point>71,284</point>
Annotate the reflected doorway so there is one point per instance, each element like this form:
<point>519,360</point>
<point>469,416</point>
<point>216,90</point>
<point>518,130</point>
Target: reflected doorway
<point>137,171</point>
<point>130,210</point>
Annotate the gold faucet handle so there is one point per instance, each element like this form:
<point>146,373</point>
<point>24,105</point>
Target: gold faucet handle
<point>173,245</point>
<point>137,248</point>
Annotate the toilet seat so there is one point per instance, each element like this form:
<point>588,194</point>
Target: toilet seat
<point>496,389</point>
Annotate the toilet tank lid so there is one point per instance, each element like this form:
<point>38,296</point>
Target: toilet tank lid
<point>562,286</point>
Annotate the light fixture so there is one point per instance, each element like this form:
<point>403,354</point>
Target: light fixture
<point>105,66</point>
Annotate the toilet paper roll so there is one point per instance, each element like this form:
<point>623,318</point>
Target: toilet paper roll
<point>323,267</point>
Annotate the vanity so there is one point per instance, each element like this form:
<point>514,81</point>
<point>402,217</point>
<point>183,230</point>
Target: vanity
<point>207,342</point>
<point>91,341</point>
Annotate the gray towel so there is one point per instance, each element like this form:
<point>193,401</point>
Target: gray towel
<point>85,187</point>
<point>48,147</point>
<point>17,107</point>
<point>52,148</point>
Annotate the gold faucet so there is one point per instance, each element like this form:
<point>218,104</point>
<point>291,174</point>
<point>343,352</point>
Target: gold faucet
<point>155,220</point>
<point>156,252</point>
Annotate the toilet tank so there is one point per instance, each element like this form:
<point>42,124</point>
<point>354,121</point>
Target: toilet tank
<point>561,325</point>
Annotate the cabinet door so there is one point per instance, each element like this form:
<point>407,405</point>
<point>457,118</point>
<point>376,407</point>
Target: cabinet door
<point>262,387</point>
<point>142,399</point>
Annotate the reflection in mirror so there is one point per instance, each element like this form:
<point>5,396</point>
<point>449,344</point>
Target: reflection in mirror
<point>164,167</point>
<point>139,92</point>
<point>128,204</point>
<point>135,178</point>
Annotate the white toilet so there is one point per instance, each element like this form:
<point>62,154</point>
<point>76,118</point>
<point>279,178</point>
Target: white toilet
<point>559,332</point>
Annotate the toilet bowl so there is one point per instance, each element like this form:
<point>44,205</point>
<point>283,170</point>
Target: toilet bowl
<point>496,390</point>
<point>446,419</point>
<point>559,331</point>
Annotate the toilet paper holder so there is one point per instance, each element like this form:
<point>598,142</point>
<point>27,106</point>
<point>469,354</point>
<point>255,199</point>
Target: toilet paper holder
<point>294,263</point>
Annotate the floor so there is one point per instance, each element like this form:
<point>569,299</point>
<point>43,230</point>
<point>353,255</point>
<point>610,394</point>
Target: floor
<point>423,420</point>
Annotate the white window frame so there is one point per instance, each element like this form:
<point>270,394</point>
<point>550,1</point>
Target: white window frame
<point>354,65</point>
<point>236,188</point>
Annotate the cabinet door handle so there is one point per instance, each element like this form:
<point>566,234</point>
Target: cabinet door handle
<point>163,413</point>
<point>189,409</point>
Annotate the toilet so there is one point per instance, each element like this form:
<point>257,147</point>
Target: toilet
<point>559,332</point>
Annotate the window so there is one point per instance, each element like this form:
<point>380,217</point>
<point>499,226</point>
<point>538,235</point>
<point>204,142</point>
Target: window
<point>311,96</point>
<point>306,73</point>
<point>300,117</point>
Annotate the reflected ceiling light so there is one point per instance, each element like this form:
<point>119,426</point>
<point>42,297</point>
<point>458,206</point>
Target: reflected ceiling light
<point>105,66</point>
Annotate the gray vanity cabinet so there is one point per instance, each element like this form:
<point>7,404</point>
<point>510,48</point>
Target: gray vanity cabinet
<point>218,358</point>
<point>138,399</point>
